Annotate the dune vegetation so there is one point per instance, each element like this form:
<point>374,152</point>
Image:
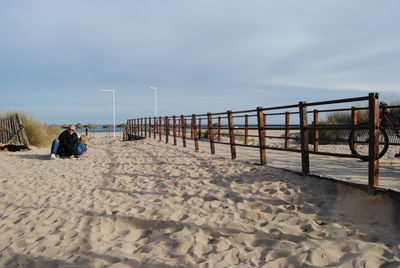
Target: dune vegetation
<point>344,118</point>
<point>39,134</point>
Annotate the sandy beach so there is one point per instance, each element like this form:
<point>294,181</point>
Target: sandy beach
<point>150,204</point>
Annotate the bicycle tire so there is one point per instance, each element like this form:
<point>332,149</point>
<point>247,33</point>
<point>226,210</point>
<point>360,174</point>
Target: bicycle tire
<point>360,137</point>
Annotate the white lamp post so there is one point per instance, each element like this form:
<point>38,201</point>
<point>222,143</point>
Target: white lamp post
<point>113,95</point>
<point>155,100</point>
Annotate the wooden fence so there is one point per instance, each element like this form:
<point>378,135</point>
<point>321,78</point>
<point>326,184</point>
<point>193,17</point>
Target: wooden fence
<point>12,132</point>
<point>212,127</point>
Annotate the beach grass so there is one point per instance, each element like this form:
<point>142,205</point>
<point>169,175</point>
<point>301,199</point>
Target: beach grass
<point>39,134</point>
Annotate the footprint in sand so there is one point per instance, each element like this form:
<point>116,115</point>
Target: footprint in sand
<point>324,257</point>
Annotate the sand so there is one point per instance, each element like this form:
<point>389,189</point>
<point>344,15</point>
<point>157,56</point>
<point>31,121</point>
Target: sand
<point>150,204</point>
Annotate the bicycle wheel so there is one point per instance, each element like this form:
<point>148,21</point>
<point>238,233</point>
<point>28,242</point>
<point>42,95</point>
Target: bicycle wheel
<point>359,142</point>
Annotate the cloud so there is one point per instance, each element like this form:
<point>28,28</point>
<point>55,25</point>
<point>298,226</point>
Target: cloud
<point>197,50</point>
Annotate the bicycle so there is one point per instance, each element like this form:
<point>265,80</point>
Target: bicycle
<point>359,138</point>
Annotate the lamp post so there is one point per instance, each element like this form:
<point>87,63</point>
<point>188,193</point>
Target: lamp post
<point>113,95</point>
<point>155,100</point>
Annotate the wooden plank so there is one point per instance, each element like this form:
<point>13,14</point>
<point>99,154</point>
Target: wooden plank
<point>19,129</point>
<point>194,132</point>
<point>246,129</point>
<point>155,128</point>
<point>150,127</point>
<point>304,139</point>
<point>13,130</point>
<point>141,127</point>
<point>166,123</point>
<point>179,127</point>
<point>160,126</point>
<point>174,129</point>
<point>261,135</point>
<point>199,128</point>
<point>183,124</point>
<point>373,163</point>
<point>316,131</point>
<point>232,134</point>
<point>219,128</point>
<point>211,133</point>
<point>131,129</point>
<point>191,129</point>
<point>287,130</point>
<point>354,122</point>
<point>9,132</point>
<point>2,130</point>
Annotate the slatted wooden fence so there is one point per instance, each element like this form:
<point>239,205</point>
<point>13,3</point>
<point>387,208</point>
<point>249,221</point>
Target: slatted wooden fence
<point>12,132</point>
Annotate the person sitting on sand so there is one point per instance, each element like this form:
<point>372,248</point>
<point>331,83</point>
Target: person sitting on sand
<point>64,145</point>
<point>80,147</point>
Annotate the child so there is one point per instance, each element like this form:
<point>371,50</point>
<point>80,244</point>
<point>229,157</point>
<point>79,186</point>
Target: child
<point>80,147</point>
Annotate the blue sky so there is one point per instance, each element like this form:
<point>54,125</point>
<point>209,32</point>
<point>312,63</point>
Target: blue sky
<point>203,56</point>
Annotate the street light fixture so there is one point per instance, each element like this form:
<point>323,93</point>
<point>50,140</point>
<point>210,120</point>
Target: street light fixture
<point>113,95</point>
<point>155,100</point>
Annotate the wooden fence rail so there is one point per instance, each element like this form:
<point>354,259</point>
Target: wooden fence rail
<point>295,117</point>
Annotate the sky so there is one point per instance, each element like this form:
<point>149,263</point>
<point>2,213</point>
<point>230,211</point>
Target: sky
<point>202,56</point>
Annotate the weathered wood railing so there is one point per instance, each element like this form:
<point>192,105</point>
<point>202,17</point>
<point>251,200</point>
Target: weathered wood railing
<point>12,131</point>
<point>295,117</point>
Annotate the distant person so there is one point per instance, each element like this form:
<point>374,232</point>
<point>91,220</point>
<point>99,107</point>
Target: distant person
<point>64,145</point>
<point>80,147</point>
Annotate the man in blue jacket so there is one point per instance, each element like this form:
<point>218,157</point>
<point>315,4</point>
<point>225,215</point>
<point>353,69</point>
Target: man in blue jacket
<point>64,145</point>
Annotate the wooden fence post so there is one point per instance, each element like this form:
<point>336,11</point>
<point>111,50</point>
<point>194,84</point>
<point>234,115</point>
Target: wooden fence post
<point>135,127</point>
<point>219,128</point>
<point>304,139</point>
<point>141,127</point>
<point>150,127</point>
<point>287,130</point>
<point>373,163</point>
<point>183,125</point>
<point>354,122</point>
<point>191,129</point>
<point>211,133</point>
<point>261,135</point>
<point>145,127</point>
<point>316,131</point>
<point>194,132</point>
<point>199,129</point>
<point>166,123</point>
<point>22,137</point>
<point>140,120</point>
<point>174,129</point>
<point>155,127</point>
<point>179,127</point>
<point>160,128</point>
<point>246,129</point>
<point>232,134</point>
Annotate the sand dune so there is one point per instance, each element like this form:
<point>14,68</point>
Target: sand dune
<point>149,204</point>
